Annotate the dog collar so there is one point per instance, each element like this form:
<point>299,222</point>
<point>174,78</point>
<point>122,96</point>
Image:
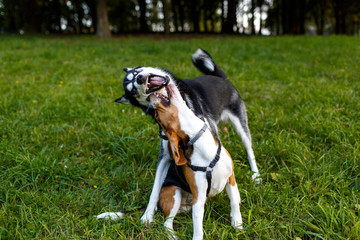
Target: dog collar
<point>197,136</point>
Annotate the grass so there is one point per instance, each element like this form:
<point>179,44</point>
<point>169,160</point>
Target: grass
<point>68,152</point>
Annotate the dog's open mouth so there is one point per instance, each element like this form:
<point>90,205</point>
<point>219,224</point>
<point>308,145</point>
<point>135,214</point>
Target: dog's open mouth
<point>158,87</point>
<point>154,83</point>
<point>163,95</point>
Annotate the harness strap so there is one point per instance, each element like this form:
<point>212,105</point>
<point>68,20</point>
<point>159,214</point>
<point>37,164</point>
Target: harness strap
<point>208,169</point>
<point>194,139</point>
<point>212,164</point>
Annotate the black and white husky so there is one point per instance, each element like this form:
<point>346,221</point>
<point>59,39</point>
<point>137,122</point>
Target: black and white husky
<point>211,97</point>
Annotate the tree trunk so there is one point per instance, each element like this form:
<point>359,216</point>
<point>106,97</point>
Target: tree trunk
<point>92,6</point>
<point>231,17</point>
<point>31,23</point>
<point>285,19</point>
<point>223,26</point>
<point>301,18</point>
<point>205,21</point>
<point>176,20</point>
<point>322,18</point>
<point>252,17</point>
<point>143,23</point>
<point>277,14</point>
<point>103,28</point>
<point>166,16</point>
<point>260,25</point>
<point>181,15</point>
<point>340,27</point>
<point>56,5</point>
<point>80,14</point>
<point>195,16</point>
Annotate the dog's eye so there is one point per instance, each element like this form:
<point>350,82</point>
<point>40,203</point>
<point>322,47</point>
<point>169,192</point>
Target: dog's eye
<point>139,79</point>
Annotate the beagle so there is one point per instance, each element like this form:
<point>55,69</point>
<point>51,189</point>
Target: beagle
<point>201,166</point>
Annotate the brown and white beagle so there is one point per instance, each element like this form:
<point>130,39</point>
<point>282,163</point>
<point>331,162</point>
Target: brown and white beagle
<point>202,166</point>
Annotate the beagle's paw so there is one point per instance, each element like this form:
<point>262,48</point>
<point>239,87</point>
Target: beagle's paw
<point>110,215</point>
<point>147,218</point>
<point>237,223</point>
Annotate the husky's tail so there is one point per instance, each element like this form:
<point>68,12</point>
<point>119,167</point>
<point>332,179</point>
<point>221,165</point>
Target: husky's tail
<point>205,64</point>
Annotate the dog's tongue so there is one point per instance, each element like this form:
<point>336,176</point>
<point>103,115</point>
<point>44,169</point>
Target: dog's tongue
<point>156,81</point>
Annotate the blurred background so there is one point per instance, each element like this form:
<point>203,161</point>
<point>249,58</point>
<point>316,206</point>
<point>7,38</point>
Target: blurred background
<point>247,17</point>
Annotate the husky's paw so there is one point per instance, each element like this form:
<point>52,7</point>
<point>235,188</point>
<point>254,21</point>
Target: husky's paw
<point>256,178</point>
<point>110,215</point>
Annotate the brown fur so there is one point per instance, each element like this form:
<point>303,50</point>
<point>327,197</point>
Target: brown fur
<point>232,177</point>
<point>166,199</point>
<point>190,179</point>
<point>232,180</point>
<point>167,117</point>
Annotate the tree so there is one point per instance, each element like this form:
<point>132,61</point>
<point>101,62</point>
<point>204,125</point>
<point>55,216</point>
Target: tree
<point>80,15</point>
<point>318,10</point>
<point>103,29</point>
<point>143,23</point>
<point>253,6</point>
<point>260,4</point>
<point>229,20</point>
<point>166,16</point>
<point>31,17</point>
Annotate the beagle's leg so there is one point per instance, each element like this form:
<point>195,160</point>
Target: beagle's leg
<point>169,203</point>
<point>161,171</point>
<point>198,186</point>
<point>198,206</point>
<point>198,214</point>
<point>234,195</point>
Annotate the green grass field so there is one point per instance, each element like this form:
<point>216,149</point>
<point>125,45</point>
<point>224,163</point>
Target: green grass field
<point>68,152</point>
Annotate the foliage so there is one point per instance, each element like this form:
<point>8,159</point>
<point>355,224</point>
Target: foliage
<point>68,152</point>
<point>215,16</point>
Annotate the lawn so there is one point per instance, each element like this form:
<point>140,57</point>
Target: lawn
<point>68,152</point>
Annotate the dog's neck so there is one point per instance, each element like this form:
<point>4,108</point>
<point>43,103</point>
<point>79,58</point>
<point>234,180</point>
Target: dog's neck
<point>189,122</point>
<point>205,147</point>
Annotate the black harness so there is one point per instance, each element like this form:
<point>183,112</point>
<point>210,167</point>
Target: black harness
<point>177,178</point>
<point>208,169</point>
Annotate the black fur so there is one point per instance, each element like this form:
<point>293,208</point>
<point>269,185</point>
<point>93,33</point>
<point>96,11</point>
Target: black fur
<point>207,95</point>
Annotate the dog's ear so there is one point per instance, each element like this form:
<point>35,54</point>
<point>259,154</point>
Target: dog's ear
<point>123,100</point>
<point>127,69</point>
<point>175,151</point>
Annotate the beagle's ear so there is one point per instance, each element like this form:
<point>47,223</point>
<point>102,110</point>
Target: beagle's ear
<point>123,99</point>
<point>176,153</point>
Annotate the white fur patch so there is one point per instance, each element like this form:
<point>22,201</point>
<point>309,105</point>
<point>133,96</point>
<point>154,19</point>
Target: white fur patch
<point>130,76</point>
<point>200,54</point>
<point>129,87</point>
<point>209,65</point>
<point>110,215</point>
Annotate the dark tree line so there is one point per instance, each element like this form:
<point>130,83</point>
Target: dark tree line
<point>203,16</point>
<point>331,16</point>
